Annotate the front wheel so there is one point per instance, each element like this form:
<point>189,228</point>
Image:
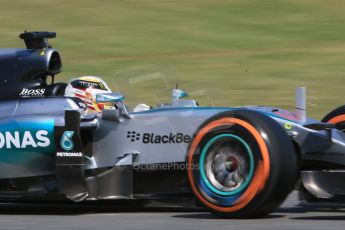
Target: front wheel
<point>336,117</point>
<point>241,164</point>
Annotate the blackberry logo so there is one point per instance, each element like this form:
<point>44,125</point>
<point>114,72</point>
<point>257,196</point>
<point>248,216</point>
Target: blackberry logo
<point>133,136</point>
<point>151,138</point>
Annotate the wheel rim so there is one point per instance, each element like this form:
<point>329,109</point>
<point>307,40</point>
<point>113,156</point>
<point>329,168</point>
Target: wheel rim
<point>226,164</point>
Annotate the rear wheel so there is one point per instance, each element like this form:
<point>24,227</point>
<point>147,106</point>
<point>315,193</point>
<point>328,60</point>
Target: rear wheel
<point>241,164</point>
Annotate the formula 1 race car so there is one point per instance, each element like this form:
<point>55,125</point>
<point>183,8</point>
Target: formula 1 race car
<point>236,162</point>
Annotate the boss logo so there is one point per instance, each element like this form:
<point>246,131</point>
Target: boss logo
<point>32,92</point>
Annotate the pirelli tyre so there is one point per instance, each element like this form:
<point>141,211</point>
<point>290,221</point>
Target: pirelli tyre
<point>241,164</point>
<point>336,117</point>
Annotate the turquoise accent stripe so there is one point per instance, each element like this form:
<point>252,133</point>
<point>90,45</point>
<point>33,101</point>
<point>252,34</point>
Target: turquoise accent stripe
<point>216,109</point>
<point>31,152</point>
<point>202,163</point>
<point>169,109</point>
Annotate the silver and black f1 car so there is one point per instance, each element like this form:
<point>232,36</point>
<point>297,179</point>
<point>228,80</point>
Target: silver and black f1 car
<point>236,162</point>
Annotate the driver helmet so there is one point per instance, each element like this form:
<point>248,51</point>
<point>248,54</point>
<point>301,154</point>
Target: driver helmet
<point>87,88</point>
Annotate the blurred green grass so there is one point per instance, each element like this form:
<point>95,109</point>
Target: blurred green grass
<point>235,52</point>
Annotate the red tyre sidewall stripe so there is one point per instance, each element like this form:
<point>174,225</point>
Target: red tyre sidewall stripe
<point>337,119</point>
<point>261,173</point>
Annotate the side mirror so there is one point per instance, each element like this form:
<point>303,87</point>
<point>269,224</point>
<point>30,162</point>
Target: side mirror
<point>117,98</point>
<point>109,97</point>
